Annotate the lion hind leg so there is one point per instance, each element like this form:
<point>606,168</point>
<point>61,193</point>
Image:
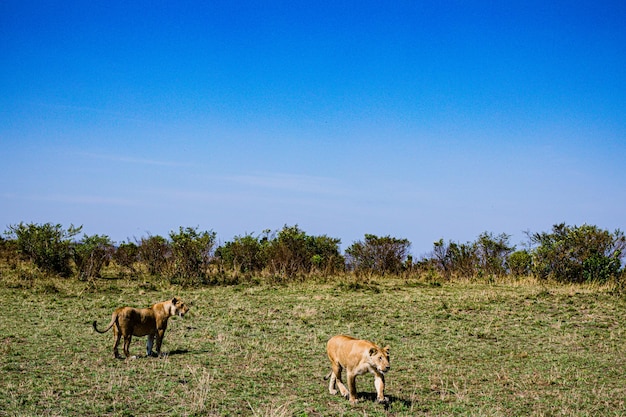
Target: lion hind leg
<point>116,336</point>
<point>331,384</point>
<point>337,379</point>
<point>342,388</point>
<point>127,340</point>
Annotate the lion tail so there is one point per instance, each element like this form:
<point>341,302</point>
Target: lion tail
<point>328,376</point>
<point>113,321</point>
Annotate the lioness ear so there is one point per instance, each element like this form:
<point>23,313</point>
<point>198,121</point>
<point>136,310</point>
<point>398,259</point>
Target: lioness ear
<point>386,349</point>
<point>373,351</point>
<point>174,300</point>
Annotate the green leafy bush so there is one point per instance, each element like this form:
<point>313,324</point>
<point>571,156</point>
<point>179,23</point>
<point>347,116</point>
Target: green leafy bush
<point>47,245</point>
<point>455,260</point>
<point>191,253</point>
<point>520,263</point>
<point>578,253</point>
<point>601,268</point>
<point>293,253</point>
<point>492,253</point>
<point>154,252</point>
<point>91,254</point>
<point>378,255</point>
<point>126,255</point>
<point>325,257</point>
<point>244,254</point>
<point>287,254</point>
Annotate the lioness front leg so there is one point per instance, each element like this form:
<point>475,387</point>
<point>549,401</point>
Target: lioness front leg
<point>159,340</point>
<point>352,387</point>
<point>379,383</point>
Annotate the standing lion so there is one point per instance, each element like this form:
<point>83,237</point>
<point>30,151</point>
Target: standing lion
<point>151,322</point>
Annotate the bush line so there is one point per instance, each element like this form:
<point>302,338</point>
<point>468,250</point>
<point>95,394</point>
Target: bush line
<point>192,257</point>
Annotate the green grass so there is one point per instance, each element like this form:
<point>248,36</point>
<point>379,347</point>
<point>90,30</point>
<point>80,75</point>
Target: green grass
<point>456,349</point>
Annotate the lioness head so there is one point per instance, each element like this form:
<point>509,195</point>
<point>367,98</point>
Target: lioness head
<point>178,307</point>
<point>379,358</point>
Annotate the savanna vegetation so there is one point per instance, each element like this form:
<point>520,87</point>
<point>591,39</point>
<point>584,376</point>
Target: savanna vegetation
<point>190,257</point>
<point>476,328</point>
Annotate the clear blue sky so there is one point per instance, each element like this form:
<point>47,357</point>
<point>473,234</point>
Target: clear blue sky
<point>416,119</point>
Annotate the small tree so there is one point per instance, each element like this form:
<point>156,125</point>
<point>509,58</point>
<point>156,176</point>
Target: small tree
<point>287,253</point>
<point>440,257</point>
<point>463,259</point>
<point>154,252</point>
<point>325,256</point>
<point>492,253</point>
<point>91,254</point>
<point>600,268</point>
<point>578,253</point>
<point>126,254</point>
<point>243,254</point>
<point>192,251</point>
<point>8,250</point>
<point>378,255</point>
<point>520,263</point>
<point>456,259</point>
<point>48,246</point>
<point>292,252</point>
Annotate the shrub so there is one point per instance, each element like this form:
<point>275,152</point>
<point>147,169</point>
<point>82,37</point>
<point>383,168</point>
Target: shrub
<point>492,253</point>
<point>154,252</point>
<point>578,253</point>
<point>601,268</point>
<point>292,252</point>
<point>487,256</point>
<point>126,255</point>
<point>455,259</point>
<point>520,263</point>
<point>287,254</point>
<point>191,253</point>
<point>325,258</point>
<point>378,255</point>
<point>243,254</point>
<point>91,254</point>
<point>8,250</point>
<point>48,246</point>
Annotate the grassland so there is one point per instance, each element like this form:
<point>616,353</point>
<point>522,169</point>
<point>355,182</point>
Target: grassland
<point>506,349</point>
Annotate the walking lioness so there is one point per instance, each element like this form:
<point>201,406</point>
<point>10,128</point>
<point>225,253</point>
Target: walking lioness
<point>151,322</point>
<point>356,357</point>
